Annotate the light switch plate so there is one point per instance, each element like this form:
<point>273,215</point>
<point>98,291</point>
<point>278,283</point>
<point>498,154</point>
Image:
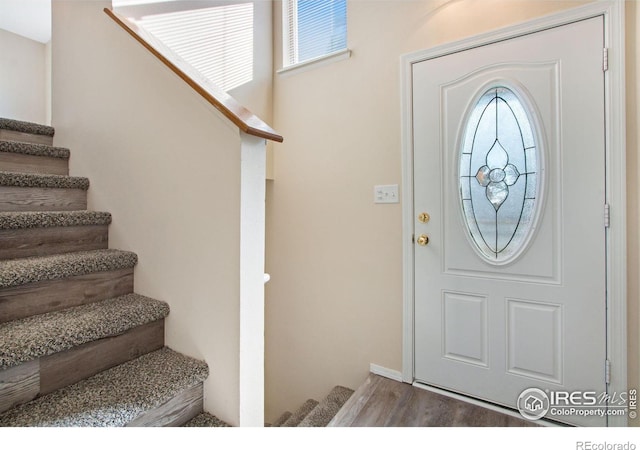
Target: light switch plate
<point>387,193</point>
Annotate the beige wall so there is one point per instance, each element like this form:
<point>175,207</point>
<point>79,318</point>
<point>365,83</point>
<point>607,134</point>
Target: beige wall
<point>23,85</point>
<point>334,304</point>
<point>47,82</point>
<point>166,165</point>
<point>256,95</point>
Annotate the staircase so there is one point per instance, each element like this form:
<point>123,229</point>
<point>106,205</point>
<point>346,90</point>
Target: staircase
<point>313,413</point>
<point>77,346</point>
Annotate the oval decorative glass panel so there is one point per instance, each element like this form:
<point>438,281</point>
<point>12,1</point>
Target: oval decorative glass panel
<point>499,175</point>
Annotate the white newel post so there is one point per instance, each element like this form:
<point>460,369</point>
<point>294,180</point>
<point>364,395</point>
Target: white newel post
<point>252,248</point>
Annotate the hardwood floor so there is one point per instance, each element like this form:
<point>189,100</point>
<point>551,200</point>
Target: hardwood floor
<point>381,402</point>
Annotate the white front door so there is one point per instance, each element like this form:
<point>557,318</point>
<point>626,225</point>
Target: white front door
<point>509,165</point>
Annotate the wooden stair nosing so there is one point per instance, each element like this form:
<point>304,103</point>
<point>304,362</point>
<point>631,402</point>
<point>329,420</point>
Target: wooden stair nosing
<point>44,375</point>
<point>46,296</point>
<point>352,407</point>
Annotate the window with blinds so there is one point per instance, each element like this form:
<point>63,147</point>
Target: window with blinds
<point>313,28</point>
<point>216,41</point>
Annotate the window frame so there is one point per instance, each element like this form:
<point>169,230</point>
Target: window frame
<point>290,42</point>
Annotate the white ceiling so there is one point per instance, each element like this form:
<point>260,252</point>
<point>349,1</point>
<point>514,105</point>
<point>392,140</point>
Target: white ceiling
<point>28,18</point>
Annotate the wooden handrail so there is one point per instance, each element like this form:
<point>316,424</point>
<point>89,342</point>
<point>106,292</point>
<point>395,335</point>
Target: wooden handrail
<point>223,102</point>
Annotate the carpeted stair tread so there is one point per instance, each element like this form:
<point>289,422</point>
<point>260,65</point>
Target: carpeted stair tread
<point>34,149</point>
<point>205,419</point>
<point>327,408</point>
<point>26,127</point>
<point>300,413</point>
<point>48,219</point>
<point>19,179</point>
<point>45,334</point>
<point>282,419</point>
<point>16,272</point>
<point>114,397</point>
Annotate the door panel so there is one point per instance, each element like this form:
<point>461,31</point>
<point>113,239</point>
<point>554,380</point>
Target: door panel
<point>465,328</point>
<point>535,315</point>
<point>541,261</point>
<point>534,339</point>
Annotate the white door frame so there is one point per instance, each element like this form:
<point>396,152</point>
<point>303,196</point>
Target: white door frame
<point>615,141</point>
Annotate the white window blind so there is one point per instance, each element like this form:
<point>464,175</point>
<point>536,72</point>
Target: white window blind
<point>217,41</point>
<point>313,28</point>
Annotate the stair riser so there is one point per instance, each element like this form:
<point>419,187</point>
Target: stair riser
<point>81,362</point>
<point>9,135</point>
<point>19,384</point>
<point>174,413</point>
<point>39,377</point>
<point>49,241</point>
<point>16,162</point>
<point>42,199</point>
<point>38,298</point>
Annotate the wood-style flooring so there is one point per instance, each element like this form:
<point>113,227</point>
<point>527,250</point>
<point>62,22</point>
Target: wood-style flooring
<point>381,402</point>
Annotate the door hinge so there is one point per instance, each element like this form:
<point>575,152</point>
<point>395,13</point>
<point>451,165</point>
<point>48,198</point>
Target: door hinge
<point>607,371</point>
<point>607,215</point>
<point>605,59</point>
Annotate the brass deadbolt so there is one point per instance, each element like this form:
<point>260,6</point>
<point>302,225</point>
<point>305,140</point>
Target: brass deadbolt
<point>424,217</point>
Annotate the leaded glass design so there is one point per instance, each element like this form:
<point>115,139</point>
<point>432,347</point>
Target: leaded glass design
<point>499,174</point>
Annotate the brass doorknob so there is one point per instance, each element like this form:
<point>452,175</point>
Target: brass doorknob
<point>423,240</point>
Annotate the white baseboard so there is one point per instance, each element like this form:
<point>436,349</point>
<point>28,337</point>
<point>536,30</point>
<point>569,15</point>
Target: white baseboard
<point>394,375</point>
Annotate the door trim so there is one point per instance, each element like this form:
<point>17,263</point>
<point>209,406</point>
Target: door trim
<point>615,153</point>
